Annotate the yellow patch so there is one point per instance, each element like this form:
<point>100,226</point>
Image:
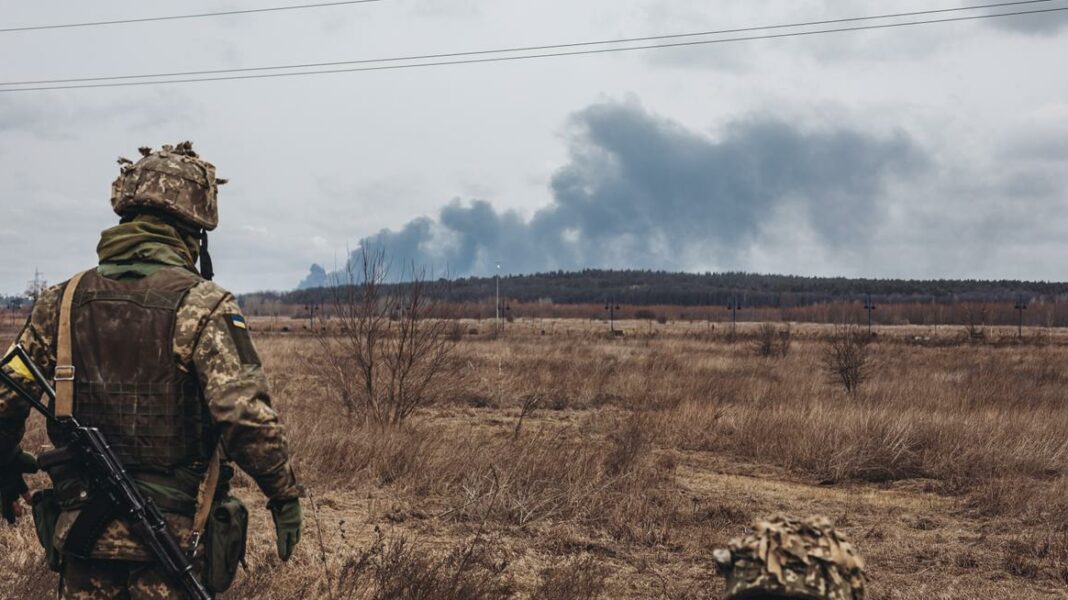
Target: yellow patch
<point>18,366</point>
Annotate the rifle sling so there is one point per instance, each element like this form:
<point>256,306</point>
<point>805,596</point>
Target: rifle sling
<point>64,372</point>
<point>206,496</point>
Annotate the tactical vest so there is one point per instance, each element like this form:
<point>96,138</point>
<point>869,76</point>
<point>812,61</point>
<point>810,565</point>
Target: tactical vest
<point>128,383</point>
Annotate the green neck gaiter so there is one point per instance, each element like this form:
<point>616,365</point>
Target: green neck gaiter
<point>143,246</point>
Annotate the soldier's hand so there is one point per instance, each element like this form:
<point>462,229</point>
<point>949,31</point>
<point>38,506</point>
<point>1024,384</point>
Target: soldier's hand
<point>13,485</point>
<point>288,522</point>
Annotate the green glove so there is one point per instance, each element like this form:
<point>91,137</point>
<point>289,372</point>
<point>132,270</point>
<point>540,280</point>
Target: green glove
<point>287,524</point>
<point>12,484</point>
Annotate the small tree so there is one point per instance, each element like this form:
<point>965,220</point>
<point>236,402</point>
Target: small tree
<point>848,358</point>
<point>973,328</point>
<point>385,348</point>
<point>772,341</point>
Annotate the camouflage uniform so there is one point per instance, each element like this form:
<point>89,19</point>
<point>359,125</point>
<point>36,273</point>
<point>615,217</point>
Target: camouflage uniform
<point>97,579</point>
<point>211,344</point>
<point>790,558</point>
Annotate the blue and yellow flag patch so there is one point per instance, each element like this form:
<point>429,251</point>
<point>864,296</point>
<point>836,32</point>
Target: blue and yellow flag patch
<point>238,321</point>
<point>239,332</point>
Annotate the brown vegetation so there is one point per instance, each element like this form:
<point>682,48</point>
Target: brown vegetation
<point>772,341</point>
<point>574,465</point>
<point>385,350</point>
<point>848,357</point>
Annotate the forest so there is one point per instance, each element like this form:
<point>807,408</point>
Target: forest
<point>752,290</point>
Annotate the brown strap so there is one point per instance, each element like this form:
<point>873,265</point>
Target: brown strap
<point>205,496</point>
<point>64,373</point>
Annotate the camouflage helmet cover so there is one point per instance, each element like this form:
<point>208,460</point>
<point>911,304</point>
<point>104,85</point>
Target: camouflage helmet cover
<point>789,558</point>
<point>174,180</point>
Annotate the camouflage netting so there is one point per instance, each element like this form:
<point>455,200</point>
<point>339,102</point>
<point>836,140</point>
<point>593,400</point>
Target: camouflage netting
<point>790,558</point>
<point>174,180</point>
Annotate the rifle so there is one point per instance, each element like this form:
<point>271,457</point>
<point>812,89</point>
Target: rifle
<point>88,448</point>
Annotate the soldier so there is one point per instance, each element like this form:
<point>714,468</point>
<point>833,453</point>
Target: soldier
<point>160,359</point>
<point>789,558</point>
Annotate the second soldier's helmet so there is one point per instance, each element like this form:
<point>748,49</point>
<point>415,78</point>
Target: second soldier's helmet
<point>174,181</point>
<point>790,558</point>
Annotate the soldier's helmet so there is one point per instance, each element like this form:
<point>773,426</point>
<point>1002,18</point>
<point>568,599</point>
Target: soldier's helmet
<point>803,559</point>
<point>174,181</point>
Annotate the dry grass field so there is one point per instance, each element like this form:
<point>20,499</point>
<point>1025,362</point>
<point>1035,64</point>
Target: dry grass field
<point>569,464</point>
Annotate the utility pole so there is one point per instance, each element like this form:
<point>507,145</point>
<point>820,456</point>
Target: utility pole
<point>869,306</point>
<point>497,303</point>
<point>733,305</point>
<point>311,309</point>
<point>1021,305</point>
<point>611,307</point>
<point>36,286</point>
<point>708,314</point>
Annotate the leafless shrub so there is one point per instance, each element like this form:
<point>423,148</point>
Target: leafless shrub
<point>385,349</point>
<point>975,318</point>
<point>580,579</point>
<point>772,341</point>
<point>785,339</point>
<point>848,358</point>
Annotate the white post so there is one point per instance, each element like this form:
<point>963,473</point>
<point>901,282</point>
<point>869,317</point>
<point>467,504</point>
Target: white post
<point>497,307</point>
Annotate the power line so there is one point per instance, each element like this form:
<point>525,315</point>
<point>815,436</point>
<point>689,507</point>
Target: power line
<point>495,59</point>
<point>512,49</point>
<point>177,17</point>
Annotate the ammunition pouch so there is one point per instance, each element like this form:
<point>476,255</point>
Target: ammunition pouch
<point>73,491</point>
<point>45,515</point>
<point>224,543</point>
<point>71,487</point>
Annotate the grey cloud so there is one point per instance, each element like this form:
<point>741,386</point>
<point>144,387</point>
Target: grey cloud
<point>51,116</point>
<point>1049,145</point>
<point>642,191</point>
<point>1049,23</point>
<point>445,8</point>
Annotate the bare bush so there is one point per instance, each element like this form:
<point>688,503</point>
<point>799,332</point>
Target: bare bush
<point>848,358</point>
<point>975,318</point>
<point>385,349</point>
<point>772,341</point>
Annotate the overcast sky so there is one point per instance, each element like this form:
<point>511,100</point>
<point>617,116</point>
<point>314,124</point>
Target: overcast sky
<point>933,151</point>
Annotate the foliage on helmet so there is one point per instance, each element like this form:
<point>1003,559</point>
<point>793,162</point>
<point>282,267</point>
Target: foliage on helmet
<point>174,181</point>
<point>803,559</point>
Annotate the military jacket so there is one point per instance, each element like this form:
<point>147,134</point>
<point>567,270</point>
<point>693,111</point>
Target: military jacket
<point>211,346</point>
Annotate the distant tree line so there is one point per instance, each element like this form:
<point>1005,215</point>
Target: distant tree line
<point>648,288</point>
<point>13,302</point>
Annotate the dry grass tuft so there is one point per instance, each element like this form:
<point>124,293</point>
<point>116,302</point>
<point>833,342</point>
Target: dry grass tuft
<point>397,569</point>
<point>578,579</point>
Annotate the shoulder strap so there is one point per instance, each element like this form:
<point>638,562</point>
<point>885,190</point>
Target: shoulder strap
<point>205,498</point>
<point>64,373</point>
